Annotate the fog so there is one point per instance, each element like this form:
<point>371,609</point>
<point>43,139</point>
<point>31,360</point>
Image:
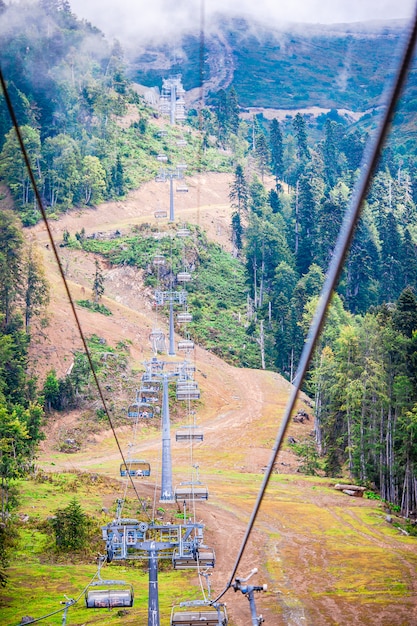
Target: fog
<point>138,20</point>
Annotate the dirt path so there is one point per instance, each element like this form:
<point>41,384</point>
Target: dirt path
<point>325,561</point>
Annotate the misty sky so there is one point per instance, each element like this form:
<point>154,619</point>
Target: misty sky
<point>145,18</point>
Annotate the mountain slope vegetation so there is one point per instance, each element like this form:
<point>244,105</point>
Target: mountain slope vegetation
<point>90,138</point>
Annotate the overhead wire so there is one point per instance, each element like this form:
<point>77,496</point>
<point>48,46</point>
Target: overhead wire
<point>61,269</point>
<point>344,239</point>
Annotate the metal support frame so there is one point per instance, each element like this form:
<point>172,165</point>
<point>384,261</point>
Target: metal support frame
<point>249,592</point>
<point>167,490</point>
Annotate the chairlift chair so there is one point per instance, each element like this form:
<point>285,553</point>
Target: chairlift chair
<point>184,277</point>
<point>183,232</point>
<point>181,142</point>
<point>182,166</point>
<point>133,410</point>
<point>117,593</point>
<point>162,157</point>
<point>185,344</point>
<point>198,614</point>
<point>184,318</point>
<point>135,468</point>
<point>182,189</point>
<point>188,394</point>
<point>191,558</point>
<point>189,433</point>
<point>191,491</point>
<point>160,214</point>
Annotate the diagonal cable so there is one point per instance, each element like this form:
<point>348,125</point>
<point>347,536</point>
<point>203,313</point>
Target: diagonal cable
<point>344,239</point>
<point>61,270</point>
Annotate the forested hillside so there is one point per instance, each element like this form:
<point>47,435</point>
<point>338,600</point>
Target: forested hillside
<point>91,138</point>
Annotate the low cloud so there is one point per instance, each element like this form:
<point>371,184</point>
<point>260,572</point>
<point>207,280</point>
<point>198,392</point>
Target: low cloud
<point>139,20</point>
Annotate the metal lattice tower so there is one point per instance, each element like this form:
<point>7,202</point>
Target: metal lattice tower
<point>171,297</point>
<point>172,101</point>
<point>170,174</point>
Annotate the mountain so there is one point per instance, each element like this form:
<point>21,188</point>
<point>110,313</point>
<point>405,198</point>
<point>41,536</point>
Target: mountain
<point>338,66</point>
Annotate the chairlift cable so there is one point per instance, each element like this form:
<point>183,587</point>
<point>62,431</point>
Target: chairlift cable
<point>60,268</point>
<point>369,162</point>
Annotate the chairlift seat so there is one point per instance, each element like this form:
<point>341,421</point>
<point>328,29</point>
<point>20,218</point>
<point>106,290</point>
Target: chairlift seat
<point>189,433</point>
<point>184,277</point>
<point>182,166</point>
<point>135,468</point>
<point>186,344</point>
<point>108,598</point>
<point>160,214</point>
<point>184,318</point>
<point>183,232</point>
<point>181,142</point>
<point>162,157</point>
<point>204,558</point>
<point>207,616</point>
<point>133,410</point>
<point>182,189</point>
<point>191,491</point>
<point>185,394</point>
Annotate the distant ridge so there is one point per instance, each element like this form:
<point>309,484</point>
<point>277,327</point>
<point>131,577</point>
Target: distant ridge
<point>292,66</point>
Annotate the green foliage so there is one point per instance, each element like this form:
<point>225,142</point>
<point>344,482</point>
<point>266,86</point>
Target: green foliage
<point>94,306</point>
<point>70,527</point>
<point>307,453</point>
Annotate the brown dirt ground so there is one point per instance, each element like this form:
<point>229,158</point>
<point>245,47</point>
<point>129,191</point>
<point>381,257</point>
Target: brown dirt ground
<point>315,547</point>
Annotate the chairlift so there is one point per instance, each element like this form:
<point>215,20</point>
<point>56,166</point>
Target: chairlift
<point>183,318</point>
<point>188,394</point>
<point>183,232</point>
<point>117,593</point>
<point>193,557</point>
<point>191,491</point>
<point>182,189</point>
<point>189,433</point>
<point>135,468</point>
<point>182,166</point>
<point>162,157</point>
<point>141,410</point>
<point>133,410</point>
<point>184,277</point>
<point>160,214</point>
<point>187,383</point>
<point>159,259</point>
<point>199,613</point>
<point>185,345</point>
<point>162,133</point>
<point>181,142</point>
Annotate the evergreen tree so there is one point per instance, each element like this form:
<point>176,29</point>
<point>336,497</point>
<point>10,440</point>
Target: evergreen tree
<point>11,266</point>
<point>262,153</point>
<point>277,150</point>
<point>274,201</point>
<point>239,192</point>
<point>300,130</point>
<point>237,232</point>
<point>36,288</point>
<point>70,527</point>
<point>98,284</point>
<point>405,315</point>
<point>391,276</point>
